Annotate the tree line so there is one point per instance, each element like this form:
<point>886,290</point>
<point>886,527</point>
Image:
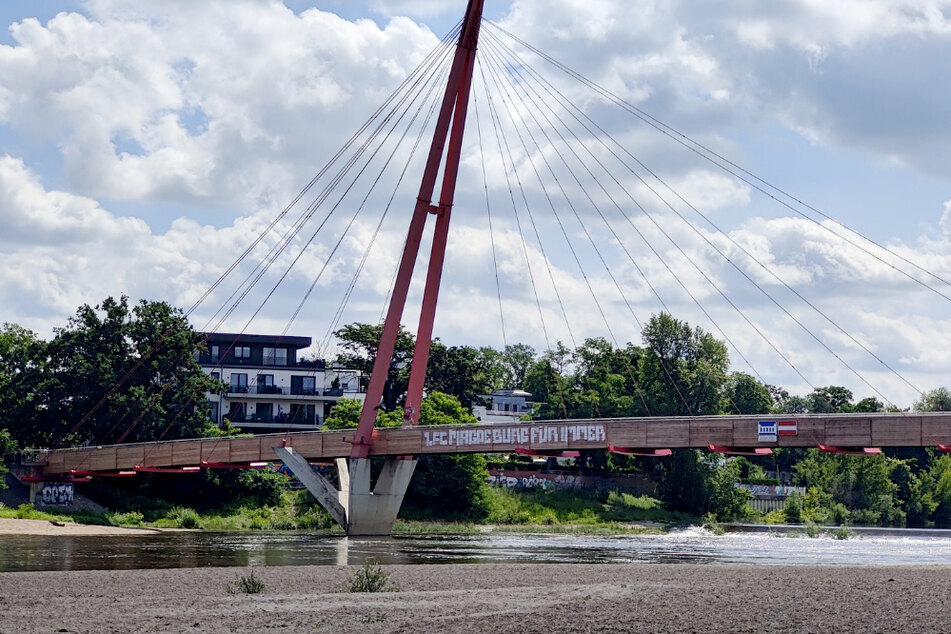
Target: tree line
<point>122,370</point>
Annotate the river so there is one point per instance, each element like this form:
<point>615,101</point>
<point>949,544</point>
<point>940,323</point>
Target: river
<point>693,545</point>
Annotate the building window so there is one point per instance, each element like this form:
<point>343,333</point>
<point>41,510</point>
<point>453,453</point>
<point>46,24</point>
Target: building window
<point>214,354</point>
<point>236,412</point>
<point>275,356</point>
<point>213,409</point>
<point>302,414</point>
<point>216,376</point>
<point>242,352</point>
<point>239,383</point>
<point>264,413</point>
<point>266,384</point>
<point>303,385</point>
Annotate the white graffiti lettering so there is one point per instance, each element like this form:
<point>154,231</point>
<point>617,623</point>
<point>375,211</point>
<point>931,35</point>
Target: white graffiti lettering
<point>57,494</point>
<point>520,436</point>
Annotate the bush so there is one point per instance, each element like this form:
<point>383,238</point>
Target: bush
<point>248,584</point>
<point>185,517</point>
<point>793,509</point>
<point>370,578</point>
<point>132,518</point>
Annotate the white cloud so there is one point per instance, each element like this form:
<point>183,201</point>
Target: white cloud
<point>217,106</point>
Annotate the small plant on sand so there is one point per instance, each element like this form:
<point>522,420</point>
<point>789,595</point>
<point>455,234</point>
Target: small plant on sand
<point>248,584</point>
<point>812,529</point>
<point>711,524</point>
<point>370,578</point>
<point>376,617</point>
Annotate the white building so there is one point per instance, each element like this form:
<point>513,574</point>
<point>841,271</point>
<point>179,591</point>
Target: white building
<point>508,406</point>
<point>268,388</point>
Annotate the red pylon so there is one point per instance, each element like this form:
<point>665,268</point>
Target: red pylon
<point>455,104</point>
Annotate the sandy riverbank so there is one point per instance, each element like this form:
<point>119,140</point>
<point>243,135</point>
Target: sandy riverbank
<point>44,527</point>
<point>487,598</point>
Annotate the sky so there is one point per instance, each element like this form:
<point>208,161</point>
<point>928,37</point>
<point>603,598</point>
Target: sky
<point>144,147</point>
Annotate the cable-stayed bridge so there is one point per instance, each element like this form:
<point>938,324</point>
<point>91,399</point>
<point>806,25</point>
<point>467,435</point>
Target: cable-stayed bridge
<point>562,174</point>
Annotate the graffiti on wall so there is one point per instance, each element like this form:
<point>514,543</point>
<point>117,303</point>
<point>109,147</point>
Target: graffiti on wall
<point>57,493</point>
<point>515,435</point>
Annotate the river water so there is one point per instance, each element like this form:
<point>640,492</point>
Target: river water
<point>692,545</point>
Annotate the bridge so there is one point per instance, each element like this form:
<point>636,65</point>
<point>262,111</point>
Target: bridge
<point>367,505</point>
<point>364,512</point>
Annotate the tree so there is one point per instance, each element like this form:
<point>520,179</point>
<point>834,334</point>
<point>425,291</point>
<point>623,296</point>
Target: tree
<point>869,404</point>
<point>454,370</point>
<point>451,486</point>
<point>684,481</point>
<point>937,400</point>
<point>746,395</point>
<point>345,414</point>
<point>7,446</point>
<point>831,399</point>
<point>22,365</point>
<point>685,371</point>
<point>517,359</point>
<point>117,372</point>
<point>360,343</point>
<point>863,486</point>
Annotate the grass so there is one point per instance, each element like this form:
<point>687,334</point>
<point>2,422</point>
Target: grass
<point>370,577</point>
<point>563,512</point>
<point>27,512</point>
<point>247,584</point>
<point>551,508</point>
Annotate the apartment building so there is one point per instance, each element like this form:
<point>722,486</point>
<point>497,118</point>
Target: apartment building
<point>269,388</point>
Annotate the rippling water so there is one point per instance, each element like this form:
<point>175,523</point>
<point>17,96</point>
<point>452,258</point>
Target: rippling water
<point>694,545</point>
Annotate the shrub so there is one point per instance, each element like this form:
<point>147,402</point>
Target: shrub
<point>132,518</point>
<point>711,524</point>
<point>185,517</point>
<point>370,578</point>
<point>813,529</point>
<point>793,509</point>
<point>842,532</point>
<point>248,584</point>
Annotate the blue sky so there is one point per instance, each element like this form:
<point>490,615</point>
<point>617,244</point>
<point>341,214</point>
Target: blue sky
<point>142,146</point>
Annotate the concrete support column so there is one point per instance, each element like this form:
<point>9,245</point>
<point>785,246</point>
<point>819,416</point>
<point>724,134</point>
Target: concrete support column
<point>373,513</point>
<point>354,506</point>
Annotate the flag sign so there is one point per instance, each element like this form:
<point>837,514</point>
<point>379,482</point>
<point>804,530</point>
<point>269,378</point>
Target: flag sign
<point>767,431</point>
<point>787,428</point>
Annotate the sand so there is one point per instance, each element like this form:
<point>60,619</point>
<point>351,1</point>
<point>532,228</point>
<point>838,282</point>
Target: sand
<point>475,598</point>
<point>44,527</point>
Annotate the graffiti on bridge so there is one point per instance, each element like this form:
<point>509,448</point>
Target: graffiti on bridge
<point>57,494</point>
<point>515,435</point>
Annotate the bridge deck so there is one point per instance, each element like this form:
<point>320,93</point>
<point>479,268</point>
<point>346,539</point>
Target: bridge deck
<point>839,430</point>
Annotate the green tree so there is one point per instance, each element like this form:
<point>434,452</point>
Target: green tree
<point>517,359</point>
<point>345,414</point>
<point>118,372</point>
<point>7,446</point>
<point>937,400</point>
<point>831,399</point>
<point>862,485</point>
<point>450,486</point>
<point>869,404</point>
<point>746,395</point>
<point>360,342</point>
<point>685,371</point>
<point>683,481</point>
<point>22,371</point>
<point>455,370</point>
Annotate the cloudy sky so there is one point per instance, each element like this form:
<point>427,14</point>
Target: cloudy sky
<point>144,147</point>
